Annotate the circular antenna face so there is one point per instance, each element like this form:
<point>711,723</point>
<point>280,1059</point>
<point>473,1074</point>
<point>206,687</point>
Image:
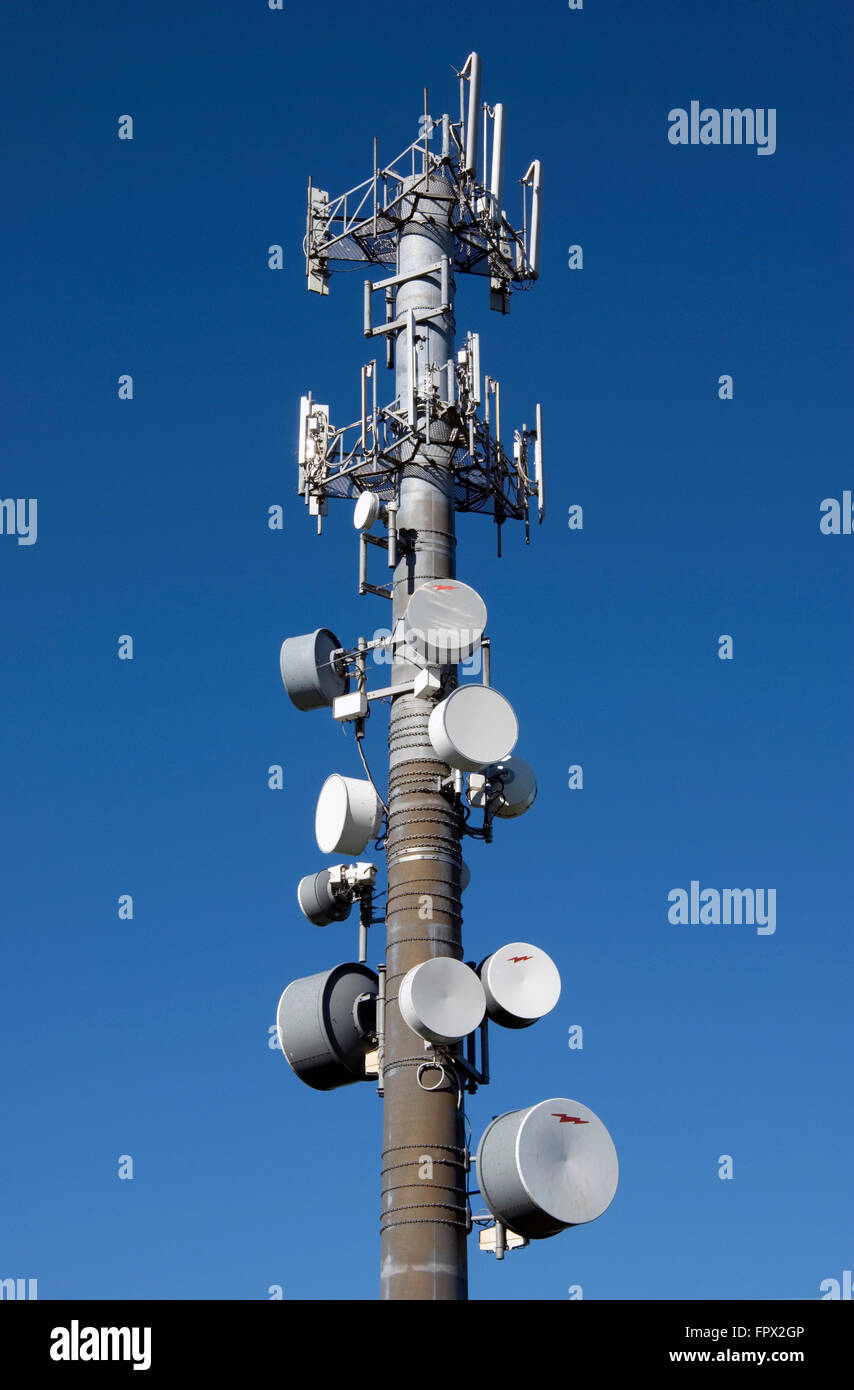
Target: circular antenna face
<point>444,621</point>
<point>317,901</point>
<point>321,1022</point>
<point>307,671</point>
<point>521,984</point>
<point>366,511</point>
<point>471,725</point>
<point>518,786</point>
<point>546,1168</point>
<point>348,815</point>
<point>442,1000</point>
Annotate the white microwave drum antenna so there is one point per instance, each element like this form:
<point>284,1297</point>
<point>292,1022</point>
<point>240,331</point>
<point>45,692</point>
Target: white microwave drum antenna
<point>367,511</point>
<point>444,622</point>
<point>546,1168</point>
<point>323,1021</point>
<point>442,1000</point>
<point>521,984</point>
<point>473,727</point>
<point>349,814</point>
<point>310,677</point>
<point>518,787</point>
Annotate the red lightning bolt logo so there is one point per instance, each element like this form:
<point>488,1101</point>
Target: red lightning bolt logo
<point>445,586</point>
<point>569,1119</point>
<point>515,959</point>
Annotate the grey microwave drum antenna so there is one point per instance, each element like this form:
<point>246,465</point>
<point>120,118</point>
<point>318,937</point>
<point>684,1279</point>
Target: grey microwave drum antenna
<point>322,1023</point>
<point>442,1000</point>
<point>517,787</point>
<point>548,1167</point>
<point>521,984</point>
<point>473,727</point>
<point>444,622</point>
<point>349,814</point>
<point>319,903</point>
<point>311,678</point>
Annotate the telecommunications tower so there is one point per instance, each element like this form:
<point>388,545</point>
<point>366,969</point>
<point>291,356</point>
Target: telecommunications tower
<point>418,1024</point>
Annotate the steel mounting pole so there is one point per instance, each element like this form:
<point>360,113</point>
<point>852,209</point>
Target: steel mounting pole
<point>424,1222</point>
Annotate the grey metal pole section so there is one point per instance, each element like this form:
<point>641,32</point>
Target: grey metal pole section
<point>423,1161</point>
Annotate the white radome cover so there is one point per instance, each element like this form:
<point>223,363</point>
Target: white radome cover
<point>444,621</point>
<point>474,726</point>
<point>442,1000</point>
<point>521,983</point>
<point>348,815</point>
<point>567,1160</point>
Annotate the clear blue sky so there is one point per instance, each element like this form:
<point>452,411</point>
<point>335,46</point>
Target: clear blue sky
<point>701,517</point>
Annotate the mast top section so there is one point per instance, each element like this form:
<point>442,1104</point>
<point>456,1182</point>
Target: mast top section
<point>453,169</point>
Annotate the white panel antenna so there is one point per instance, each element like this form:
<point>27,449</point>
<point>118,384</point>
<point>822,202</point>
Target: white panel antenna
<point>534,178</point>
<point>472,72</point>
<point>538,468</point>
<point>496,181</point>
